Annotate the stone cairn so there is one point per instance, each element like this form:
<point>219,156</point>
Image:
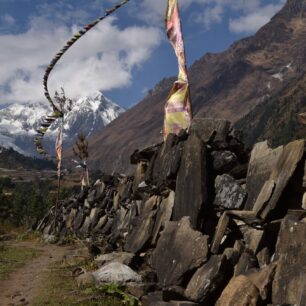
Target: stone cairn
<point>201,222</point>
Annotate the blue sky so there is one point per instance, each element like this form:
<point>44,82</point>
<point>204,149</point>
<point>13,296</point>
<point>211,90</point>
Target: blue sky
<point>124,56</point>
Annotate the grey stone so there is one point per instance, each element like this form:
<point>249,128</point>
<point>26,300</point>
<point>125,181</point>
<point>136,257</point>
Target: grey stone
<point>209,280</point>
<point>166,162</point>
<point>163,215</point>
<point>143,227</point>
<point>121,257</point>
<point>261,164</point>
<point>180,249</point>
<point>115,273</point>
<point>191,185</point>
<point>229,194</point>
<point>210,129</point>
<point>79,219</point>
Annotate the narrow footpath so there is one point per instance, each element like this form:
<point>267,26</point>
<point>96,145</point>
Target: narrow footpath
<point>24,284</point>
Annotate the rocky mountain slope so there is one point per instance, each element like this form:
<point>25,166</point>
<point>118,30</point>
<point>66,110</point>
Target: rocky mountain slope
<point>18,123</point>
<point>276,119</point>
<point>225,85</point>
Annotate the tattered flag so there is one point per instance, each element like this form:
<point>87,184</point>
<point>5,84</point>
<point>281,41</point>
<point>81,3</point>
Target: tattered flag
<point>178,112</point>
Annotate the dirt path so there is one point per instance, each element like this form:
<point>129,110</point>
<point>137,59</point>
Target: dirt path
<point>25,283</point>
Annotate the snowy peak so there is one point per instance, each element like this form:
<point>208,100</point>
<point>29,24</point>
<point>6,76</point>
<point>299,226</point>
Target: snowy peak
<point>18,122</point>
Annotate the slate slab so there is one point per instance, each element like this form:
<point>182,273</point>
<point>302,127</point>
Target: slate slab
<point>240,292</point>
<point>142,230</point>
<point>262,161</point>
<point>210,129</point>
<point>163,215</point>
<point>209,280</point>
<point>290,256</point>
<point>191,186</point>
<point>180,249</point>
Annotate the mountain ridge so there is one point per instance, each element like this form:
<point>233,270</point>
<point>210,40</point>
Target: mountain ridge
<point>18,123</point>
<point>226,85</point>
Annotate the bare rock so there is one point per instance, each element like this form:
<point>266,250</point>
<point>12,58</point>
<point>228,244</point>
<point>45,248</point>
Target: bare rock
<point>116,273</point>
<point>210,129</point>
<point>191,185</point>
<point>180,249</point>
<point>229,194</point>
<point>240,292</point>
<point>143,227</point>
<point>290,256</point>
<point>164,214</point>
<point>208,281</point>
<point>262,162</point>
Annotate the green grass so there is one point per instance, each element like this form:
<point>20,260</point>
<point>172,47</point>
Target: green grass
<point>60,289</point>
<point>12,257</point>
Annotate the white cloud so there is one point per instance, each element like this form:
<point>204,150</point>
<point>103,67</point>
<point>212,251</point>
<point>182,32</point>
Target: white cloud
<point>254,20</point>
<point>254,13</point>
<point>8,20</point>
<point>103,59</point>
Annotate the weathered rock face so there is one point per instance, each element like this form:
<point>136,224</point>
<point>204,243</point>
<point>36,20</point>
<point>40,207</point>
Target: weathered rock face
<point>209,279</point>
<point>290,257</point>
<point>198,223</point>
<point>191,185</point>
<point>179,250</point>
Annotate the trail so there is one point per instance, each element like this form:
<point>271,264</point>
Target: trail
<point>24,284</point>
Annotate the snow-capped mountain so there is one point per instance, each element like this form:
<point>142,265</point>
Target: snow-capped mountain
<point>18,122</point>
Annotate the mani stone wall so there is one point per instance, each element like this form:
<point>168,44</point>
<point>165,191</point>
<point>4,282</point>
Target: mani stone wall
<point>201,222</point>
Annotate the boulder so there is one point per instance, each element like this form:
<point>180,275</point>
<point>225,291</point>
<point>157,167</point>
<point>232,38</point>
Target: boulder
<point>191,186</point>
<point>179,250</point>
<point>229,194</point>
<point>209,280</point>
<point>116,273</point>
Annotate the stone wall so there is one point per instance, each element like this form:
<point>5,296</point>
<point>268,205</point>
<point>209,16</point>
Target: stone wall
<point>205,221</point>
